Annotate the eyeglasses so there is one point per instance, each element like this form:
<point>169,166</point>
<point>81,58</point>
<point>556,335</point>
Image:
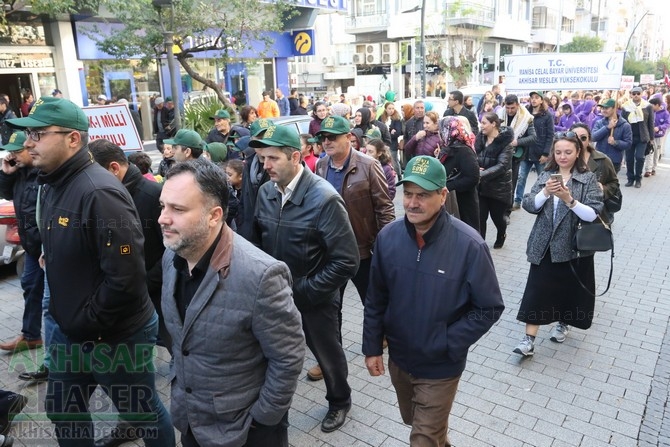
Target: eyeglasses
<point>329,137</point>
<point>583,137</point>
<point>35,135</point>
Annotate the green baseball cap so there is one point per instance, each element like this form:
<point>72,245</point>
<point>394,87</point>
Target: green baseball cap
<point>50,111</point>
<point>15,142</point>
<point>373,133</point>
<point>186,137</point>
<point>609,103</point>
<point>426,172</point>
<point>218,151</point>
<point>540,94</point>
<point>335,125</point>
<point>221,114</point>
<point>278,136</point>
<point>259,126</point>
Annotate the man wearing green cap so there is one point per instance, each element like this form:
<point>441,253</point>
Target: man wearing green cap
<point>18,182</point>
<point>94,262</point>
<point>361,182</point>
<point>186,145</point>
<point>221,129</point>
<point>430,321</point>
<point>301,220</point>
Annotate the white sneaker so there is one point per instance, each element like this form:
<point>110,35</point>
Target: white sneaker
<point>559,332</point>
<point>525,347</point>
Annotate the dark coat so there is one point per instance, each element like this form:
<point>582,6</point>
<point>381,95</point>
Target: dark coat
<point>91,230</point>
<point>432,310</point>
<point>253,178</point>
<point>543,123</point>
<point>495,160</point>
<point>21,187</point>
<point>463,176</point>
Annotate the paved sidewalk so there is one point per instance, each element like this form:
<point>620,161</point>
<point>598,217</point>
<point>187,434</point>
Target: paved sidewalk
<point>590,391</point>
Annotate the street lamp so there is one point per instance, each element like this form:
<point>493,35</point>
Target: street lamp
<point>647,13</point>
<point>168,41</point>
<point>305,78</point>
<point>422,44</point>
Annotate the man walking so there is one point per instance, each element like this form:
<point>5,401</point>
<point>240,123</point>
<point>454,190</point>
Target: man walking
<point>93,252</point>
<point>282,103</point>
<point>18,182</point>
<point>456,108</point>
<point>431,320</point>
<point>612,134</point>
<point>640,115</point>
<point>301,220</point>
<point>238,344</point>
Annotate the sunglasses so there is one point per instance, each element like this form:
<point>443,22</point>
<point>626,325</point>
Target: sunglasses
<point>570,134</point>
<point>635,93</point>
<point>329,137</point>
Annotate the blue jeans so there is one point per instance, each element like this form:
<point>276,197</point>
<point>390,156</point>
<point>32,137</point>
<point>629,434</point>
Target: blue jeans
<point>125,372</point>
<point>524,170</point>
<point>50,324</point>
<point>635,161</point>
<point>32,283</point>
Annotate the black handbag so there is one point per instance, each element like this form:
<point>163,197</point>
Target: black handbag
<point>613,203</point>
<point>594,236</point>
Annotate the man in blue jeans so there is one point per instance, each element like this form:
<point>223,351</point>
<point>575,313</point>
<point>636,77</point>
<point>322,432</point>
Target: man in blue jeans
<point>18,182</point>
<point>640,115</point>
<point>94,261</point>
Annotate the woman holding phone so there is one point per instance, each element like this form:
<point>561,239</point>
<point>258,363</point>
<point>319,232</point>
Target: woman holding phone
<point>564,193</point>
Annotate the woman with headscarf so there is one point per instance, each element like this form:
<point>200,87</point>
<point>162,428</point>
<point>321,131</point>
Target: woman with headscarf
<point>458,157</point>
<point>364,121</point>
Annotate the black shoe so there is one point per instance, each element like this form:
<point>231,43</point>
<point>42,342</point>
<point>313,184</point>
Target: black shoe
<point>334,419</point>
<point>500,241</point>
<point>6,441</point>
<point>638,183</point>
<point>41,375</point>
<point>629,183</point>
<point>12,403</point>
<point>120,435</point>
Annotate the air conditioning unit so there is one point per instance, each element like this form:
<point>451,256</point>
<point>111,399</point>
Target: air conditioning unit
<point>328,61</point>
<point>358,59</point>
<point>389,53</point>
<point>372,54</point>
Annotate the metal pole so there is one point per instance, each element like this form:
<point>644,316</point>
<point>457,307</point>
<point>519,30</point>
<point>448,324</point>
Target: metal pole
<point>412,65</point>
<point>633,33</point>
<point>174,86</point>
<point>423,49</point>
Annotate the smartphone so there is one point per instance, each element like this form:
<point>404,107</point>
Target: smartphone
<point>11,162</point>
<point>558,178</point>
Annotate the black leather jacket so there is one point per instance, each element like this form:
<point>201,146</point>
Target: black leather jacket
<point>311,233</point>
<point>495,160</point>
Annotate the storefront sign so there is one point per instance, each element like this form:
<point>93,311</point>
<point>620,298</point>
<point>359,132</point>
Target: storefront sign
<point>563,71</point>
<point>113,123</point>
<point>9,60</point>
<point>303,43</point>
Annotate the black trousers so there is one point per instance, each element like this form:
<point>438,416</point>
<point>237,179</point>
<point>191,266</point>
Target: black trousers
<point>497,209</point>
<point>321,328</point>
<point>361,280</point>
<point>259,435</point>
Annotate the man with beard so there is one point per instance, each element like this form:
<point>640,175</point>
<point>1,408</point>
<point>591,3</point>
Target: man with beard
<point>238,343</point>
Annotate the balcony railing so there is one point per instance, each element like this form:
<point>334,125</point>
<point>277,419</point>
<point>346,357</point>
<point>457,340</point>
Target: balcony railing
<point>366,23</point>
<point>470,15</point>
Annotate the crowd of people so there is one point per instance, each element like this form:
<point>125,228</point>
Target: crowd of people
<point>236,256</point>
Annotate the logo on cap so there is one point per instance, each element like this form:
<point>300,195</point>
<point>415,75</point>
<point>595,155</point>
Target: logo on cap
<point>420,167</point>
<point>269,132</point>
<point>38,103</point>
<point>328,123</point>
<point>13,137</point>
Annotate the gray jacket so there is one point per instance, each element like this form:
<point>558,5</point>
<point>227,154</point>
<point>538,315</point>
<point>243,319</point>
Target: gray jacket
<point>558,234</point>
<point>240,349</point>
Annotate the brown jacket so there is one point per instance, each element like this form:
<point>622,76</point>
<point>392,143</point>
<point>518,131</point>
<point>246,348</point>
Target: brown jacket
<point>366,198</point>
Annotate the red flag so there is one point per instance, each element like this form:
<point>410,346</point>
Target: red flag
<point>666,78</point>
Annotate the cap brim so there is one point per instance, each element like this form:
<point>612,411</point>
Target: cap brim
<point>420,182</point>
<point>330,131</point>
<point>22,123</point>
<point>170,141</point>
<point>265,143</point>
<point>10,147</point>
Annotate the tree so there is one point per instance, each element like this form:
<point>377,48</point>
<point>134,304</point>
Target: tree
<point>227,29</point>
<point>584,44</point>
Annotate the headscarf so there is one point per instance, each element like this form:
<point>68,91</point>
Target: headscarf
<point>365,118</point>
<point>451,129</point>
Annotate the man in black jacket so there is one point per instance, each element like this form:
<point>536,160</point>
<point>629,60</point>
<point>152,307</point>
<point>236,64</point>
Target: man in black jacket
<point>18,182</point>
<point>6,113</point>
<point>94,260</point>
<point>456,108</point>
<point>146,195</point>
<point>300,219</point>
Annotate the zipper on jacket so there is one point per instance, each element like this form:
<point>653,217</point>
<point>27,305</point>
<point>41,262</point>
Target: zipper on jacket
<point>418,256</point>
<point>109,238</point>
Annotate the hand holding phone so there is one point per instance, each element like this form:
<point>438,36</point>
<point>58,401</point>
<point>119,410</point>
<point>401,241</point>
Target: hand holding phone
<point>558,178</point>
